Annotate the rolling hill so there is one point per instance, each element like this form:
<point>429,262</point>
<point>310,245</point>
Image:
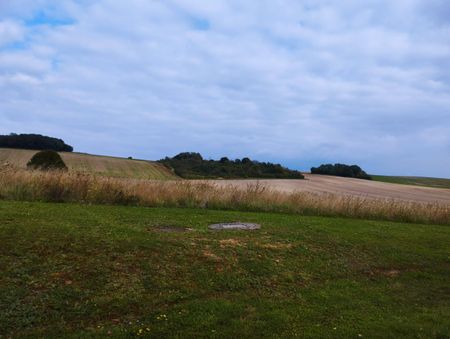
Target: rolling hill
<point>415,181</point>
<point>103,165</point>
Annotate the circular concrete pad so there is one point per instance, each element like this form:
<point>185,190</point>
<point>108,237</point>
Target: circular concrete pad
<point>234,226</point>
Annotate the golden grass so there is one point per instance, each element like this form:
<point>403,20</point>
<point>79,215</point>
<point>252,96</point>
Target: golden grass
<point>19,184</point>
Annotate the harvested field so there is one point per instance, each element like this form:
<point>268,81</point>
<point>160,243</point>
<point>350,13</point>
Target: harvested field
<point>96,164</point>
<point>314,183</point>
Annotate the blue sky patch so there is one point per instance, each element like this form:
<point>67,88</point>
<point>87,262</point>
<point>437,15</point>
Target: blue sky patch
<point>43,18</point>
<point>200,24</point>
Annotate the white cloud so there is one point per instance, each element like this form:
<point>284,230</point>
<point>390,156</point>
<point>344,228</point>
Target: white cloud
<point>10,32</point>
<point>281,80</point>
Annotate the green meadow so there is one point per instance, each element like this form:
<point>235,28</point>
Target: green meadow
<point>86,271</point>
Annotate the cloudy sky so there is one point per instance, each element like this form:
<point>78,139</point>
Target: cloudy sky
<point>296,82</point>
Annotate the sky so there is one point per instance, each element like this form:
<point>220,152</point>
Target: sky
<point>300,83</point>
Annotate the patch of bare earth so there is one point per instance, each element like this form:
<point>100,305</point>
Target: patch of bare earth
<point>170,229</point>
<point>276,246</point>
<point>390,273</point>
<point>210,255</point>
<point>230,243</point>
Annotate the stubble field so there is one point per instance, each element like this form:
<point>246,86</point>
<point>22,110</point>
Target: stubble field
<point>350,187</point>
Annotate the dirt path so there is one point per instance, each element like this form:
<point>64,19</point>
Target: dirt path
<point>367,188</point>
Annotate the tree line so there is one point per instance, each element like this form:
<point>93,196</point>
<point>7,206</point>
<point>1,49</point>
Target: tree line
<point>191,165</point>
<point>34,141</point>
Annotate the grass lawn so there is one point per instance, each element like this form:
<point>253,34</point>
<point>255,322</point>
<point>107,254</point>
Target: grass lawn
<point>416,181</point>
<point>69,270</point>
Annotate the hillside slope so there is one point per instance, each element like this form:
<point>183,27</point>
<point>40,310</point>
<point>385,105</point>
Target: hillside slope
<point>103,165</point>
<point>415,181</point>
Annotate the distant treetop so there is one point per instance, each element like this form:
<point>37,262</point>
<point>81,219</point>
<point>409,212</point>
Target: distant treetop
<point>189,156</point>
<point>341,170</point>
<point>34,141</point>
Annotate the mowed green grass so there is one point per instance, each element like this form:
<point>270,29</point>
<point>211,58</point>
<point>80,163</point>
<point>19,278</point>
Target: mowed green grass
<point>102,165</point>
<point>416,181</point>
<point>69,270</point>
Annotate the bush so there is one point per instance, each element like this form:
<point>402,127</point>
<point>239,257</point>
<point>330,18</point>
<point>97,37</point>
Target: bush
<point>47,160</point>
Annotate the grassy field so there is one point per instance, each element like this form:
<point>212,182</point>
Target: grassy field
<point>56,186</point>
<point>415,181</point>
<point>103,165</point>
<point>69,270</point>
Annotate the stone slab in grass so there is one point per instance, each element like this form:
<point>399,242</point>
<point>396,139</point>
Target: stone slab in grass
<point>235,226</point>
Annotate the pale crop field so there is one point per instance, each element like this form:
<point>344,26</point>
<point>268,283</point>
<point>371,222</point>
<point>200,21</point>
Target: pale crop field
<point>102,165</point>
<point>314,183</point>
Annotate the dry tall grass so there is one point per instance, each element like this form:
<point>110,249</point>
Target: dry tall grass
<point>18,184</point>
